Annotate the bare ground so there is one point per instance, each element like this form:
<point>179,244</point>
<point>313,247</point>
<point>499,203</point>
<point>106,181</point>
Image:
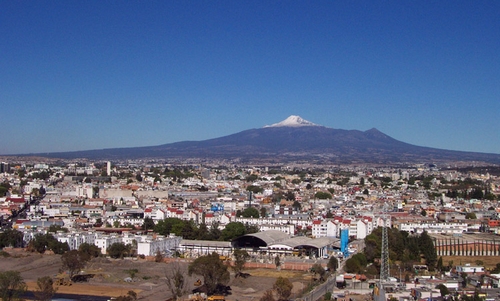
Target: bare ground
<point>489,262</point>
<point>149,282</point>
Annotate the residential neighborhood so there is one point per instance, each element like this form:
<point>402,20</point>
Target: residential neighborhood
<point>103,203</point>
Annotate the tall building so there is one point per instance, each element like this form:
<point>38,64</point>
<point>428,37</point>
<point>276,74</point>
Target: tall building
<point>108,168</point>
<point>4,167</point>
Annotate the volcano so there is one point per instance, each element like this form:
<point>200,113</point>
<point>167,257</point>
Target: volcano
<point>293,139</point>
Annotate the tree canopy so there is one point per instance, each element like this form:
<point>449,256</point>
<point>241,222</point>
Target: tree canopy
<point>88,251</point>
<point>250,212</point>
<point>402,247</point>
<point>11,238</point>
<point>12,285</point>
<point>232,231</point>
<point>213,271</point>
<point>44,289</point>
<point>118,250</point>
<point>322,195</point>
<point>241,256</point>
<point>283,288</point>
<point>332,264</point>
<point>43,242</point>
<point>73,261</point>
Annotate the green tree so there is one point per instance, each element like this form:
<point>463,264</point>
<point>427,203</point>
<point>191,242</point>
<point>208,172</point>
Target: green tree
<point>214,233</point>
<point>470,215</point>
<point>4,188</point>
<point>42,242</point>
<point>283,288</point>
<point>439,265</point>
<point>250,212</point>
<point>12,285</point>
<point>251,228</point>
<point>353,266</point>
<point>39,243</point>
<point>296,205</point>
<point>11,238</point>
<point>322,195</point>
<point>443,289</point>
<point>319,270</point>
<point>88,251</point>
<point>464,279</point>
<point>251,178</point>
<point>45,289</point>
<point>232,231</point>
<point>255,189</point>
<point>332,264</point>
<point>165,226</point>
<point>428,250</point>
<point>148,224</point>
<point>241,257</point>
<point>58,247</point>
<point>73,262</point>
<point>118,250</point>
<point>54,228</point>
<point>263,211</point>
<point>212,269</point>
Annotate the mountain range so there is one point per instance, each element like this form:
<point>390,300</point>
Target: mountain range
<point>293,139</point>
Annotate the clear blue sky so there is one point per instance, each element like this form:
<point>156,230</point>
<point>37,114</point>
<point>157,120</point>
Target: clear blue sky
<point>79,75</point>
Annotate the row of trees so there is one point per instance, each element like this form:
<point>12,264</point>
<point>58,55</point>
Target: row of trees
<point>189,230</point>
<point>43,242</point>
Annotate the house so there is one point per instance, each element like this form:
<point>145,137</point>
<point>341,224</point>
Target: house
<point>470,269</point>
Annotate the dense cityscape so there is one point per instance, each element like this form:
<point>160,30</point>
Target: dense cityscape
<point>250,150</point>
<point>297,213</point>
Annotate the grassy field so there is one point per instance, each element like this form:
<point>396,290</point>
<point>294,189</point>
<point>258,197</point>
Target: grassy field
<point>489,262</point>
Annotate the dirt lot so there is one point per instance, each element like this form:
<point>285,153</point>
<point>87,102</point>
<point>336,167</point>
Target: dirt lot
<point>149,282</point>
<point>489,262</point>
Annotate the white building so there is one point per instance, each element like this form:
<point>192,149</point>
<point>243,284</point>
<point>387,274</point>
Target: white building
<point>151,245</point>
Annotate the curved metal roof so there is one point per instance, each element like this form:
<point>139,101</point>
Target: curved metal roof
<point>266,237</point>
<point>271,236</point>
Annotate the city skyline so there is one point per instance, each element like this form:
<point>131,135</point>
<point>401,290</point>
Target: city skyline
<point>101,74</point>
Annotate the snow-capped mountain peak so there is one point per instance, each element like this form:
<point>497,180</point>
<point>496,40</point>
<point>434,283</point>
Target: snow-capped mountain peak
<point>292,121</point>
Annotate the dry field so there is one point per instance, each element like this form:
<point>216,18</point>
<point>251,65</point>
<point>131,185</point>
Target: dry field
<point>488,261</point>
<point>149,283</point>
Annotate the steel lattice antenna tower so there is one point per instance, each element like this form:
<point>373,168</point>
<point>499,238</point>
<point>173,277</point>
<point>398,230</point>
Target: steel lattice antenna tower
<point>384,264</point>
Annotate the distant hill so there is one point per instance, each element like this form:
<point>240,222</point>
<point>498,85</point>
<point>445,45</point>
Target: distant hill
<point>292,139</point>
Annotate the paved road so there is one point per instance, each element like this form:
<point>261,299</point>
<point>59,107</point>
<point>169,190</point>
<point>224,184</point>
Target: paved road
<point>327,286</point>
